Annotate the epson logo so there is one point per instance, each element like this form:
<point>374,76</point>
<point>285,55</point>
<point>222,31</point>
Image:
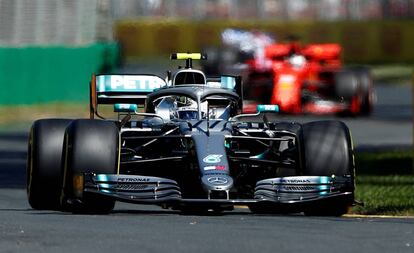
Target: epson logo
<point>131,187</point>
<point>296,188</point>
<point>294,181</point>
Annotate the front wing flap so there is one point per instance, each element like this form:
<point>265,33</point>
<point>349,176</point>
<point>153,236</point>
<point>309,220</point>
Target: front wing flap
<point>298,188</point>
<point>132,188</point>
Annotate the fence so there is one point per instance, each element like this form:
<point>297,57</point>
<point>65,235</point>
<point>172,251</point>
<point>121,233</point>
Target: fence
<point>363,41</point>
<point>333,10</point>
<point>54,22</point>
<point>44,74</point>
<point>50,48</point>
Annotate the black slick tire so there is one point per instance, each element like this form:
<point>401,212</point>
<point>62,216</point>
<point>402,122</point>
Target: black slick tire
<point>91,146</point>
<point>365,81</point>
<point>328,151</point>
<point>44,175</point>
<point>346,84</point>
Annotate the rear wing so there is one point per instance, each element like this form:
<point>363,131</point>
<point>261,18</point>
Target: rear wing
<point>124,89</point>
<point>278,51</point>
<point>323,51</point>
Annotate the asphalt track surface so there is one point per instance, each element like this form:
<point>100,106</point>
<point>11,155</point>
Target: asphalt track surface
<point>151,229</point>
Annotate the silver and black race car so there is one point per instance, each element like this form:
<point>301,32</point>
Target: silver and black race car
<point>182,143</point>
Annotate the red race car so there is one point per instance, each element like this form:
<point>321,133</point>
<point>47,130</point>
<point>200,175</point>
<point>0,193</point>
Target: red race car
<point>311,79</point>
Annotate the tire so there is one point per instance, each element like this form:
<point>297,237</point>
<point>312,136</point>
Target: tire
<point>365,81</point>
<point>346,84</point>
<point>91,146</point>
<point>44,175</point>
<point>327,151</point>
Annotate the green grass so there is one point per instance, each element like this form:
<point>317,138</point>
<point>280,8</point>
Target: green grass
<point>397,162</point>
<point>385,183</point>
<point>393,74</point>
<point>388,195</point>
<point>20,117</point>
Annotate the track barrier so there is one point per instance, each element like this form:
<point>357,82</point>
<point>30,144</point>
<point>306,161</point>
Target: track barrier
<point>30,75</point>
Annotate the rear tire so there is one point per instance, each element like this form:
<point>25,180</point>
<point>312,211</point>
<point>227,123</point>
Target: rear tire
<point>327,148</point>
<point>44,176</point>
<point>92,146</point>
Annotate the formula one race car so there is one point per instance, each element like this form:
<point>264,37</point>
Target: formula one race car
<point>182,143</point>
<point>311,79</point>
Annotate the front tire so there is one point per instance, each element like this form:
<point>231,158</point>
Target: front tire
<point>347,90</point>
<point>364,77</point>
<point>91,146</point>
<point>44,176</point>
<point>346,84</point>
<point>328,151</point>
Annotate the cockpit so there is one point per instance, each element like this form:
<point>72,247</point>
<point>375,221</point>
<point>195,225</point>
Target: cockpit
<point>187,102</point>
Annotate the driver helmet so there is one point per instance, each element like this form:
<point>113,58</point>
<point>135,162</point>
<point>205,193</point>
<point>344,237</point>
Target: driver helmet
<point>297,60</point>
<point>187,113</point>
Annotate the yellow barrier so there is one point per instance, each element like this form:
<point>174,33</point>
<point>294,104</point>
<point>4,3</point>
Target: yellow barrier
<point>363,42</point>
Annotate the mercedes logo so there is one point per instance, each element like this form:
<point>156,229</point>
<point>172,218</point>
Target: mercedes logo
<point>217,180</point>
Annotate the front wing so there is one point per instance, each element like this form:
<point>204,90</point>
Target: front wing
<point>286,194</point>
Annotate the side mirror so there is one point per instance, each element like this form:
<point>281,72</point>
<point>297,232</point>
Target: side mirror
<point>267,108</point>
<point>131,108</point>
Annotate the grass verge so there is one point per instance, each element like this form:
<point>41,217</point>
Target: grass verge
<point>392,74</point>
<point>385,183</point>
<point>20,117</point>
